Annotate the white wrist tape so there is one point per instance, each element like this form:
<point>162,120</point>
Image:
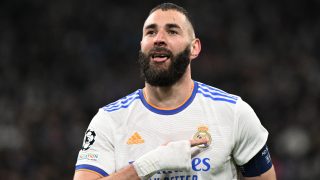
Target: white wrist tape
<point>174,156</point>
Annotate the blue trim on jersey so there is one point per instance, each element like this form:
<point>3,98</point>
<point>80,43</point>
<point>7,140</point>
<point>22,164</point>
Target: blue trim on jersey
<point>123,102</point>
<point>216,98</point>
<point>216,94</point>
<point>258,165</point>
<point>92,168</point>
<point>216,91</point>
<point>174,111</point>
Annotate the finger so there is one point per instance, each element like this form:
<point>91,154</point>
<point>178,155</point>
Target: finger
<point>196,142</point>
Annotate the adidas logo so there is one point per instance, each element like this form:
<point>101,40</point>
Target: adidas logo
<point>135,139</point>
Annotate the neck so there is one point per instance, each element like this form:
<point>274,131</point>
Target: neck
<point>169,97</point>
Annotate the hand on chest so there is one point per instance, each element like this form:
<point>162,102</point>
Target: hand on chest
<point>142,137</point>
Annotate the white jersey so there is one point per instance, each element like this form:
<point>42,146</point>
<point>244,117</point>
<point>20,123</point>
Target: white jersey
<point>123,131</point>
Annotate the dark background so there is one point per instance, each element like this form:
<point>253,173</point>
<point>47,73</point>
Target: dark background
<point>62,60</point>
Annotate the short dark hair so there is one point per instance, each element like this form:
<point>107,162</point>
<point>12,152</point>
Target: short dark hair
<point>171,6</point>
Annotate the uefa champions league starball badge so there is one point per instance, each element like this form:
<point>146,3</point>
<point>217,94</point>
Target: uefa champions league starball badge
<point>203,134</point>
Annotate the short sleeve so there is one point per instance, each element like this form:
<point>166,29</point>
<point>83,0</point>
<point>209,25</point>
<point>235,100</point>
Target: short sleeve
<point>97,152</point>
<point>249,134</point>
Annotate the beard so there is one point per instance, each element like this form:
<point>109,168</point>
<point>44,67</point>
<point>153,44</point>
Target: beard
<point>160,74</point>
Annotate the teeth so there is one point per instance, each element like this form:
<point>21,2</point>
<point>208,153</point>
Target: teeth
<point>161,56</point>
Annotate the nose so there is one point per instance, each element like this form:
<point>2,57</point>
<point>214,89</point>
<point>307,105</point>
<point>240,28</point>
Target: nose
<point>160,39</point>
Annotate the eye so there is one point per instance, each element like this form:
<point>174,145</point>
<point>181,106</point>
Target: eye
<point>172,32</point>
<point>150,32</point>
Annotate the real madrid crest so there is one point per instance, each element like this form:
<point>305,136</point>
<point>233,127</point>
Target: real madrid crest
<point>203,134</point>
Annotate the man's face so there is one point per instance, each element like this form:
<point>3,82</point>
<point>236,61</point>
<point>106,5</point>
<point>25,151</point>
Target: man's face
<point>165,47</point>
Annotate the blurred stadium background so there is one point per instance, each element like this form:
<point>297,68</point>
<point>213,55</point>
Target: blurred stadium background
<point>61,60</point>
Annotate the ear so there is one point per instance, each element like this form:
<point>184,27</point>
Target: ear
<point>195,48</point>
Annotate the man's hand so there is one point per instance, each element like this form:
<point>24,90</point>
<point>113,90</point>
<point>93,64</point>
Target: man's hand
<point>173,156</point>
<point>196,142</point>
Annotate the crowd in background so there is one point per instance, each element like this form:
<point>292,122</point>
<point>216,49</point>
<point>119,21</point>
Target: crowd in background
<point>62,60</point>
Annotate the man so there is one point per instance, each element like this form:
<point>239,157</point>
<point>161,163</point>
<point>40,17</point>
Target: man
<point>174,128</point>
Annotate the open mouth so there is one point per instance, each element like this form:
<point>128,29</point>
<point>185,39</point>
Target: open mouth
<point>159,57</point>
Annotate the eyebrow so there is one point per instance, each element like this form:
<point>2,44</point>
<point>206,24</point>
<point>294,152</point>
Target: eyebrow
<point>151,26</point>
<point>168,26</point>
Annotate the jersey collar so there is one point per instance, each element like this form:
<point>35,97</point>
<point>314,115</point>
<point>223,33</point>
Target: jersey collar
<point>171,111</point>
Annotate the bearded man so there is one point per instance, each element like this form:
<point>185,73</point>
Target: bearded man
<point>175,127</point>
